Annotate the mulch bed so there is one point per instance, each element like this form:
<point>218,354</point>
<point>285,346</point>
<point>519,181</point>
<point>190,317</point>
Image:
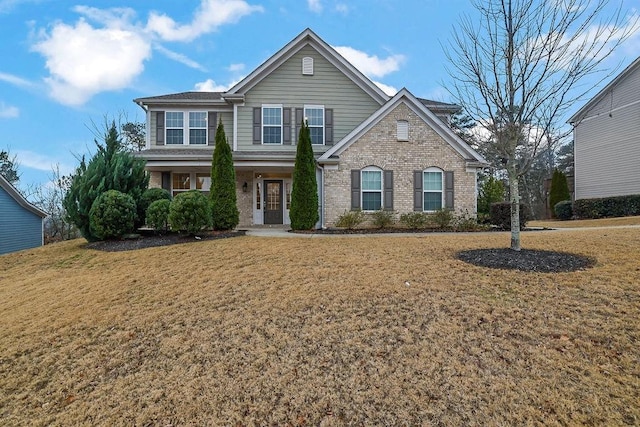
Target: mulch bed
<point>527,260</point>
<point>150,239</point>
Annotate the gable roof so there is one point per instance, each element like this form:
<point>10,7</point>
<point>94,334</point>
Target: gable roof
<point>306,38</point>
<point>472,157</point>
<point>598,97</point>
<point>15,194</point>
<point>183,98</point>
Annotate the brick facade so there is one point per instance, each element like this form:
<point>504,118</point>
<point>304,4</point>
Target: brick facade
<point>380,147</point>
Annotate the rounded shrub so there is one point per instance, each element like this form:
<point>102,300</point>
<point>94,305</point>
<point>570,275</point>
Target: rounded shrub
<point>382,219</point>
<point>563,210</point>
<point>149,196</point>
<point>414,220</point>
<point>190,211</point>
<point>350,219</point>
<point>112,215</point>
<point>443,218</point>
<point>500,215</point>
<point>158,215</point>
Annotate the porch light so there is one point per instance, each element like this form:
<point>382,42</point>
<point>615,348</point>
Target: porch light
<point>244,187</point>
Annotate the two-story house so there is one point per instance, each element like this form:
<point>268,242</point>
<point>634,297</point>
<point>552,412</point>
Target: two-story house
<point>373,151</point>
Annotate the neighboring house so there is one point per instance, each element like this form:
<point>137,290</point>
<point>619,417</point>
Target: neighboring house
<point>606,138</point>
<point>20,221</point>
<point>373,151</point>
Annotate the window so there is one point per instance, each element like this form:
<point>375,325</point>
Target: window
<point>432,189</point>
<point>198,127</point>
<point>314,115</point>
<point>371,179</point>
<point>185,181</point>
<point>195,129</point>
<point>402,130</point>
<point>272,125</point>
<point>175,127</point>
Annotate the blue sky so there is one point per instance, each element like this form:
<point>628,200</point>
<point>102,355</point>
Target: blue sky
<point>68,65</point>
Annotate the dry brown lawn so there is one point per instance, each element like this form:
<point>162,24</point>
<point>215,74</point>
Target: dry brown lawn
<point>582,223</point>
<point>381,330</point>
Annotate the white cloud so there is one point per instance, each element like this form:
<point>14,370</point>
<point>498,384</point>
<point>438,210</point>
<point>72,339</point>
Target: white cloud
<point>7,6</point>
<point>389,90</point>
<point>41,162</point>
<point>178,57</point>
<point>342,8</point>
<point>210,86</point>
<point>372,66</point>
<point>15,80</point>
<point>236,67</point>
<point>8,111</point>
<point>208,17</point>
<point>83,60</point>
<point>315,6</point>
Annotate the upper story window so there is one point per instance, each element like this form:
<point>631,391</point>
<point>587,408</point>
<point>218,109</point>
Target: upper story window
<point>402,130</point>
<point>314,115</point>
<point>371,187</point>
<point>195,128</point>
<point>272,124</point>
<point>198,127</point>
<point>432,189</point>
<point>175,127</point>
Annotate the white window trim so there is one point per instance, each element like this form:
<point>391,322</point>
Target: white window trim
<point>206,127</point>
<point>279,106</point>
<point>167,128</point>
<point>362,190</point>
<point>324,119</point>
<point>433,169</point>
<point>193,177</point>
<point>185,127</point>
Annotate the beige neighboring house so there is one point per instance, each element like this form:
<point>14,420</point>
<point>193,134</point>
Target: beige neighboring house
<point>373,151</point>
<point>606,138</point>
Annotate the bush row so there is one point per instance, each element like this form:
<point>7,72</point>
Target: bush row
<point>607,207</point>
<point>443,219</point>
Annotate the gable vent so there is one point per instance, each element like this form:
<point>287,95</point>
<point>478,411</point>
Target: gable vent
<point>403,130</point>
<point>307,66</point>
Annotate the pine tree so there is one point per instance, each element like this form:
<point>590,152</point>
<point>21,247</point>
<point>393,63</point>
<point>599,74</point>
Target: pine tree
<point>223,184</point>
<point>304,194</point>
<point>559,190</point>
<point>111,168</point>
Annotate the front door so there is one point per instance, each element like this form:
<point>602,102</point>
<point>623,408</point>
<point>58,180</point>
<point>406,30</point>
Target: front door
<point>273,202</point>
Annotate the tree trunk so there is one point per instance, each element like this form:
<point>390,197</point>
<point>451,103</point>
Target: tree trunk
<point>514,198</point>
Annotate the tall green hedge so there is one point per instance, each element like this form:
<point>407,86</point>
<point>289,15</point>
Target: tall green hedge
<point>607,207</point>
<point>304,194</point>
<point>224,207</point>
<point>559,190</point>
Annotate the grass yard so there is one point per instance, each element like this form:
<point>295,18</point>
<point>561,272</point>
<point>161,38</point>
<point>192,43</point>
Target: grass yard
<point>322,331</point>
<point>582,223</point>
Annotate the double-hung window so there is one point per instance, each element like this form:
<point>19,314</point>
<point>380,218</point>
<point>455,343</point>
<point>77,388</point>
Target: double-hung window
<point>432,189</point>
<point>197,128</point>
<point>186,181</point>
<point>371,187</point>
<point>314,115</point>
<point>174,121</point>
<point>272,124</point>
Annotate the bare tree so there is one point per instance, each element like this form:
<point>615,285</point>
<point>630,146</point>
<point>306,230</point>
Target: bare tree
<point>519,66</point>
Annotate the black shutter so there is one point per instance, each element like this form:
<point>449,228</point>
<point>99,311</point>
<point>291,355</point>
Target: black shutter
<point>299,119</point>
<point>355,189</point>
<point>448,189</point>
<point>213,125</point>
<point>388,191</point>
<point>286,123</point>
<point>160,128</point>
<point>166,181</point>
<point>257,125</point>
<point>418,198</point>
<point>328,126</point>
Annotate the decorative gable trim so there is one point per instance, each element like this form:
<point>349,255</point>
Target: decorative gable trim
<point>404,96</point>
<point>306,38</point>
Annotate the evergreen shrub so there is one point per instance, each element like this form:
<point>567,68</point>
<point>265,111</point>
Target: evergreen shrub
<point>607,207</point>
<point>158,215</point>
<point>350,219</point>
<point>414,220</point>
<point>112,215</point>
<point>563,210</point>
<point>500,215</point>
<point>190,212</point>
<point>382,218</point>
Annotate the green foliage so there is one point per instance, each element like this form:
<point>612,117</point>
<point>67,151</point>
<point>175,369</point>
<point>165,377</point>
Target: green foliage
<point>304,195</point>
<point>190,211</point>
<point>111,168</point>
<point>607,207</point>
<point>559,189</point>
<point>8,167</point>
<point>223,184</point>
<point>382,218</point>
<point>442,218</point>
<point>149,196</point>
<point>414,220</point>
<point>158,215</point>
<point>500,215</point>
<point>491,191</point>
<point>465,222</point>
<point>112,215</point>
<point>350,219</point>
<point>563,210</point>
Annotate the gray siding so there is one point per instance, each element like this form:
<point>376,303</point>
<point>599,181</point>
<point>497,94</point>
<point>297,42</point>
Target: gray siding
<point>619,96</point>
<point>286,85</point>
<point>607,152</point>
<point>19,228</point>
<point>227,122</point>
